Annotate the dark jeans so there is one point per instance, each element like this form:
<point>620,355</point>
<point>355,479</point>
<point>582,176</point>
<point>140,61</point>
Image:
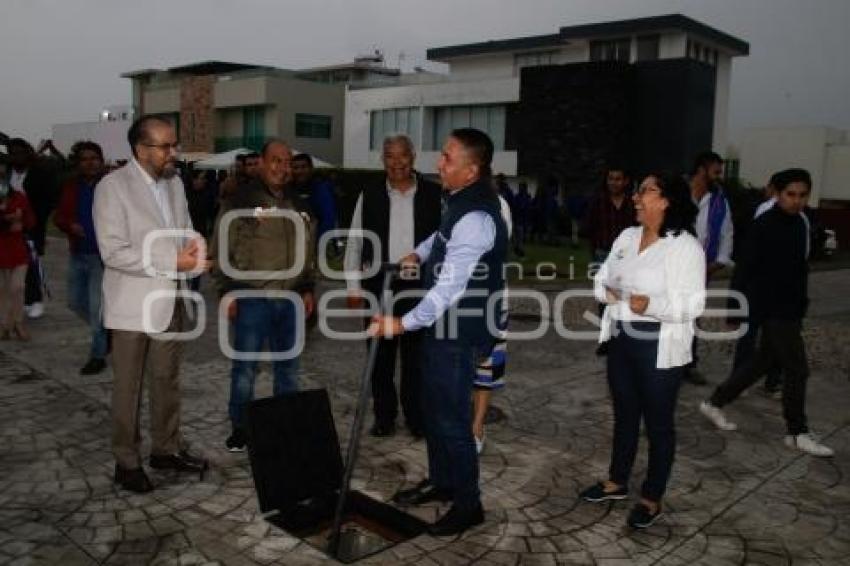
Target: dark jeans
<point>640,390</point>
<point>259,320</point>
<point>384,396</point>
<point>448,370</point>
<point>745,350</point>
<point>781,343</point>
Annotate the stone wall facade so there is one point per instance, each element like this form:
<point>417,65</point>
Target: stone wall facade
<point>197,118</point>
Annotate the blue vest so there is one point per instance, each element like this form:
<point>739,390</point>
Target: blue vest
<point>488,277</point>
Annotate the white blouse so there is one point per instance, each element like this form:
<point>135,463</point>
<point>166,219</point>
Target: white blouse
<point>671,272</point>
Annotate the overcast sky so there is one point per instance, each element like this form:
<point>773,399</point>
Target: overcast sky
<point>60,60</point>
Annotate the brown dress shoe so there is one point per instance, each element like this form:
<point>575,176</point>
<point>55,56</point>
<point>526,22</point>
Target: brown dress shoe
<point>135,480</point>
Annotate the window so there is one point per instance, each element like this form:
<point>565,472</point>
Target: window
<point>611,50</point>
<point>383,123</point>
<point>534,59</point>
<point>487,118</point>
<point>647,48</point>
<point>313,126</point>
<point>253,122</point>
<point>700,52</point>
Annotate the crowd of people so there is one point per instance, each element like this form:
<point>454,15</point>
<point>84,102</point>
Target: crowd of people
<point>141,235</point>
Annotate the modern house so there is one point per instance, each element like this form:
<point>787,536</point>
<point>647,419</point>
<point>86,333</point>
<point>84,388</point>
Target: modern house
<point>217,106</point>
<point>651,92</point>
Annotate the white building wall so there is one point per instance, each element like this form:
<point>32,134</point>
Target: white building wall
<point>475,67</point>
<point>767,150</point>
<point>161,100</point>
<point>672,45</point>
<point>111,136</point>
<point>578,52</point>
<point>360,103</point>
<point>837,185</point>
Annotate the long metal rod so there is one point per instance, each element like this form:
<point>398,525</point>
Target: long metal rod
<point>357,426</point>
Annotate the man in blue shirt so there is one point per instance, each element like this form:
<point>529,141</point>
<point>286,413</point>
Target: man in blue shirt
<point>85,273</point>
<point>318,193</point>
<point>459,324</point>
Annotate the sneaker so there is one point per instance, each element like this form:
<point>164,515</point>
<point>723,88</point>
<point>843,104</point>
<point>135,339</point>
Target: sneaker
<point>35,310</point>
<point>641,518</point>
<point>806,443</point>
<point>716,416</point>
<point>236,441</point>
<point>596,493</point>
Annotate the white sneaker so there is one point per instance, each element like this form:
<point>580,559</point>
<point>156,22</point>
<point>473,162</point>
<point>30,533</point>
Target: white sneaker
<point>716,416</point>
<point>806,443</point>
<point>35,310</point>
<point>479,443</point>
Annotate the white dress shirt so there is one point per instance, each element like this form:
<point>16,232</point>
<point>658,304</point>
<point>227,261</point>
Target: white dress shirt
<point>159,189</point>
<point>671,272</point>
<point>724,251</point>
<point>401,232</point>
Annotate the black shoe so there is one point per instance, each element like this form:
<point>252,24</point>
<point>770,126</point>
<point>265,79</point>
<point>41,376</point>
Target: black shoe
<point>181,462</point>
<point>424,492</point>
<point>641,518</point>
<point>382,429</point>
<point>602,349</point>
<point>93,366</point>
<point>415,431</point>
<point>694,377</point>
<point>596,493</point>
<point>456,520</point>
<point>236,441</point>
<point>134,480</point>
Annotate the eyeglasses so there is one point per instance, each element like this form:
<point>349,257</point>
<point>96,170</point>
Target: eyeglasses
<point>164,146</point>
<point>648,189</point>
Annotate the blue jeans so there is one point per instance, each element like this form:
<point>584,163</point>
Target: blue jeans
<point>448,370</point>
<point>85,282</point>
<point>640,390</point>
<point>259,320</point>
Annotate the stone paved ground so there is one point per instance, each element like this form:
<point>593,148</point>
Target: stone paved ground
<point>735,498</point>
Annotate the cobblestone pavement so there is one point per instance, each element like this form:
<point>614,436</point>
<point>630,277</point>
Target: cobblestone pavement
<point>734,498</point>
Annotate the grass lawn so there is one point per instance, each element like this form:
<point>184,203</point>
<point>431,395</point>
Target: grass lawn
<point>543,261</point>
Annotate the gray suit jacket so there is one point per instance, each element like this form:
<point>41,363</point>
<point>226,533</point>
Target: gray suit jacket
<point>138,287</point>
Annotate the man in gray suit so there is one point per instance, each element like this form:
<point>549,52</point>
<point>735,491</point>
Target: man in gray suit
<point>142,268</point>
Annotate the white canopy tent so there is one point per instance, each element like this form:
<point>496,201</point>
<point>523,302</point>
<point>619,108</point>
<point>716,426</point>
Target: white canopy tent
<point>228,158</point>
<point>221,160</point>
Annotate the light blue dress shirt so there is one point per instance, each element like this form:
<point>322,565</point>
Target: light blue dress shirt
<point>472,236</point>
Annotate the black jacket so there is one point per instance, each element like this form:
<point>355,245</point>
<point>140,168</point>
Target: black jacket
<point>772,271</point>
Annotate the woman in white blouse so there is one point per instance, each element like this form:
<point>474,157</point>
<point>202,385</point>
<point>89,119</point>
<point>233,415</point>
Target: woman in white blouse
<point>653,285</point>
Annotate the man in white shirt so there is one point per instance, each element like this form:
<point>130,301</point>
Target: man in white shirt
<point>713,227</point>
<point>401,211</point>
